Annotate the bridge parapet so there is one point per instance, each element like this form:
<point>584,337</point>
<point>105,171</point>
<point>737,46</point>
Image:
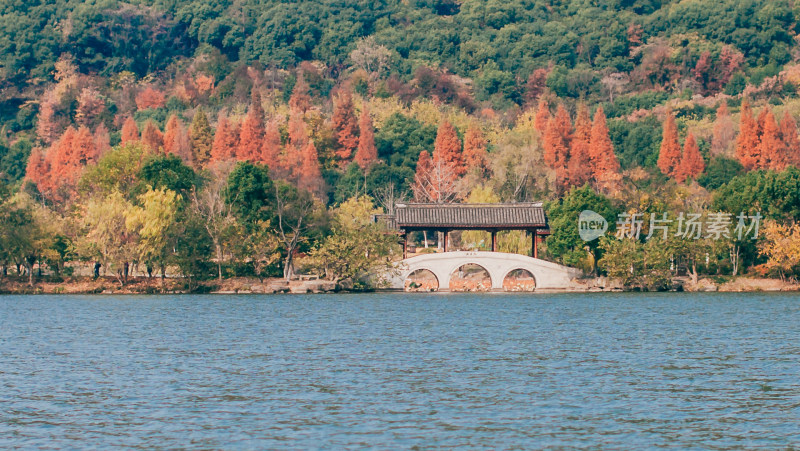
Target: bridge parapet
<point>547,275</point>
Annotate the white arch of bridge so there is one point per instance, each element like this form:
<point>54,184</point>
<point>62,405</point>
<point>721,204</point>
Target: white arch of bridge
<point>547,275</point>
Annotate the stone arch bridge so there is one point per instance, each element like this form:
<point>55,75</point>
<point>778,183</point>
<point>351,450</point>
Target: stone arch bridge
<point>547,275</point>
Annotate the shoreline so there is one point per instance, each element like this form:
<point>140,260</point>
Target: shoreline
<point>12,285</point>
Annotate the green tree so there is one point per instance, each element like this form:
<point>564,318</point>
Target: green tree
<point>201,137</point>
<point>357,247</point>
<point>168,172</point>
<point>106,237</point>
<point>155,224</point>
<point>564,243</point>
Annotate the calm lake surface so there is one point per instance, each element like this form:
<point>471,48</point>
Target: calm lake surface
<point>613,371</point>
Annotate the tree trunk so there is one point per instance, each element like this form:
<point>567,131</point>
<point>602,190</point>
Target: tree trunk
<point>219,260</point>
<point>694,272</point>
<point>288,266</point>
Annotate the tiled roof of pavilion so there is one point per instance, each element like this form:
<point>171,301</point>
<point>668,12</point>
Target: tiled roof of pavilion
<point>527,215</point>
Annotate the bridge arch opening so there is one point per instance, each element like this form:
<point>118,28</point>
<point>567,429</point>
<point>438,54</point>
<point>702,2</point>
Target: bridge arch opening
<point>519,280</point>
<point>470,277</point>
<point>421,280</point>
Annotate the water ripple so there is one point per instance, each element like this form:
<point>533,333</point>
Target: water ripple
<point>614,371</point>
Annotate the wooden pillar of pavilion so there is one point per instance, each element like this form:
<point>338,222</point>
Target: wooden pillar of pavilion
<point>405,245</point>
<point>446,236</point>
<point>534,247</point>
<point>494,240</point>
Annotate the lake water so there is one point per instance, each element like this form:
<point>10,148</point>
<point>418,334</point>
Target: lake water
<point>399,371</point>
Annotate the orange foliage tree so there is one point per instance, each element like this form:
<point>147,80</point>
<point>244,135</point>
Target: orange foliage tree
<point>345,125</point>
<point>251,136</point>
<point>692,163</point>
<point>542,117</point>
<point>226,140</point>
<point>301,97</point>
<point>298,140</point>
<point>791,143</point>
<point>152,137</point>
<point>724,131</point>
<point>579,166</point>
<point>601,150</point>
<point>447,148</point>
<point>310,176</point>
<point>475,149</point>
<point>130,132</point>
<point>771,153</point>
<point>747,144</point>
<point>557,142</point>
<point>150,97</point>
<point>102,140</point>
<point>669,156</point>
<point>176,138</point>
<point>271,150</point>
<point>367,153</point>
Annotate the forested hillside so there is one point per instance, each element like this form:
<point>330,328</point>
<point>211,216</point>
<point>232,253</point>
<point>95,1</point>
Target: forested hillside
<point>335,108</point>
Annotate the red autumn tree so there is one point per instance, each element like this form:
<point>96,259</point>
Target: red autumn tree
<point>475,149</point>
<point>102,141</point>
<point>310,175</point>
<point>770,149</point>
<point>149,97</point>
<point>558,139</point>
<point>225,143</point>
<point>692,163</point>
<point>345,125</point>
<point>434,180</point>
<point>579,166</point>
<point>152,137</point>
<point>791,143</point>
<point>536,84</point>
<point>298,140</point>
<point>748,141</point>
<point>251,136</point>
<point>176,139</point>
<point>601,150</point>
<point>83,149</point>
<point>367,153</point>
<point>669,156</point>
<point>448,148</point>
<point>724,131</point>
<point>542,117</point>
<point>38,170</point>
<point>301,97</point>
<point>271,150</point>
<point>90,107</point>
<point>130,132</point>
<point>47,126</point>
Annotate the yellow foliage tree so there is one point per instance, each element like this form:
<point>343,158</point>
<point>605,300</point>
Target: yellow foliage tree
<point>781,246</point>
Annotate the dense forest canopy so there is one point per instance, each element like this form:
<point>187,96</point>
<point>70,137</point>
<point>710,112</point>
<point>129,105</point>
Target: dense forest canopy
<point>649,104</point>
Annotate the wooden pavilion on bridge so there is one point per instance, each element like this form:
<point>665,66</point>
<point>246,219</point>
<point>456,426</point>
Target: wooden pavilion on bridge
<point>413,217</point>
